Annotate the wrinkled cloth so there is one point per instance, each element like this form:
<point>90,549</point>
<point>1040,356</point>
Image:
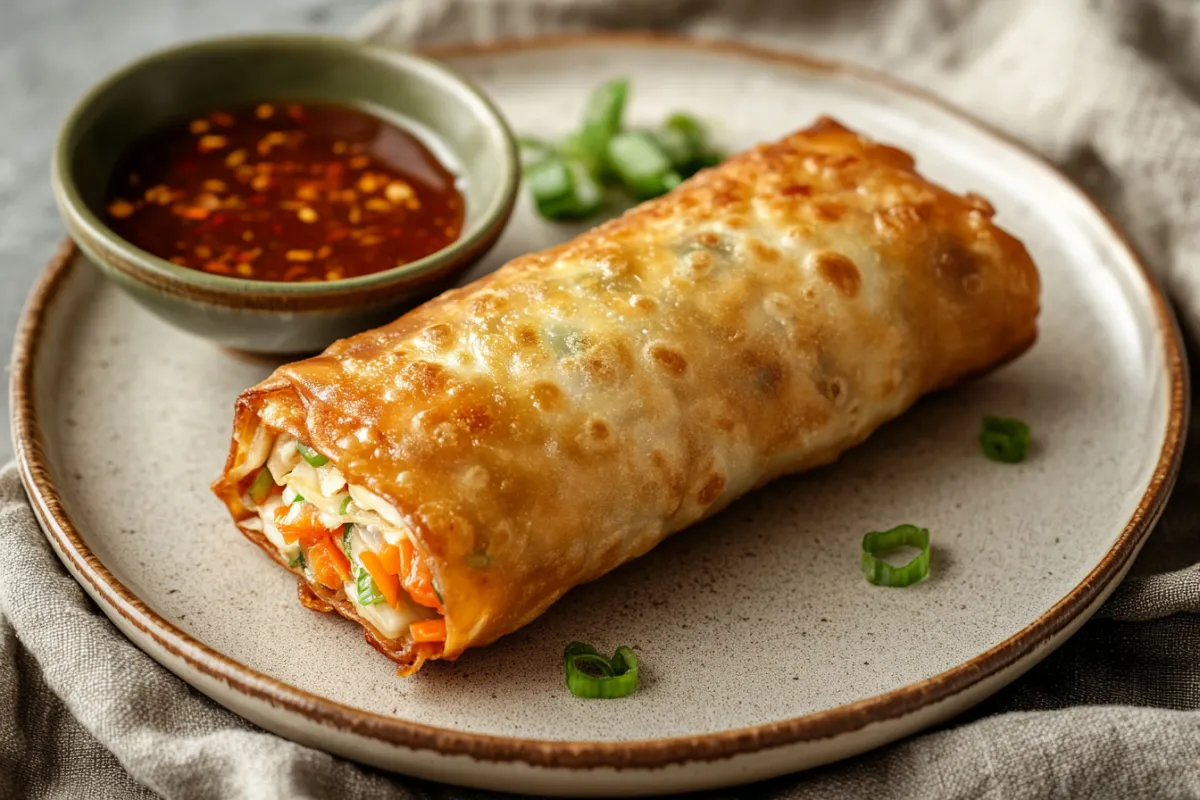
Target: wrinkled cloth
<point>1110,91</point>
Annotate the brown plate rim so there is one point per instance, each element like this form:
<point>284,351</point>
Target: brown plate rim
<point>635,754</point>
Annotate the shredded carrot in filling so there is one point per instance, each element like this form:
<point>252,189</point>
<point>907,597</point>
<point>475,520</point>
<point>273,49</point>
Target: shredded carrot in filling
<point>416,578</point>
<point>305,527</point>
<point>389,584</point>
<point>329,566</point>
<point>429,630</point>
<point>393,569</point>
<point>390,560</point>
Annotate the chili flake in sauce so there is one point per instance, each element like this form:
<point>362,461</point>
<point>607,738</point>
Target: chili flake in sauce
<point>285,193</point>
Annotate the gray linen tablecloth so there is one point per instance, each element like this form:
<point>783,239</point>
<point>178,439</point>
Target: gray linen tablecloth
<point>1108,90</point>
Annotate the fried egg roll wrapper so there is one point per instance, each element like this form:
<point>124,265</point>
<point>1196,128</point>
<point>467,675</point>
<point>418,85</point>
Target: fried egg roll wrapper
<point>563,415</point>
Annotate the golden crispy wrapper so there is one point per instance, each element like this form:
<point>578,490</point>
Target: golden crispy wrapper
<point>563,415</point>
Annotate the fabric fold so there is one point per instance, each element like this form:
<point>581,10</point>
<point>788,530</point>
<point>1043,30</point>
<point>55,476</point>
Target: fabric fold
<point>1109,90</point>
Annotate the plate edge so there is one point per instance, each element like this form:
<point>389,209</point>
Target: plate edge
<point>650,753</point>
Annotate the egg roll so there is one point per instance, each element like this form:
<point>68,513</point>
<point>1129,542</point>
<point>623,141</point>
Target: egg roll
<point>444,479</point>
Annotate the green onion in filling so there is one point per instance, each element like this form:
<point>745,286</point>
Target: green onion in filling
<point>881,573</point>
<point>311,456</point>
<point>590,674</point>
<point>260,490</point>
<point>345,505</point>
<point>298,561</point>
<point>368,592</point>
<point>1004,440</point>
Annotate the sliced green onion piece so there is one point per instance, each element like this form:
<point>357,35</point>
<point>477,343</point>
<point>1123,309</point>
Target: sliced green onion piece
<point>604,677</point>
<point>571,148</point>
<point>641,164</point>
<point>691,128</point>
<point>534,150</point>
<point>298,561</point>
<point>684,139</point>
<point>595,665</point>
<point>345,505</point>
<point>550,183</point>
<point>563,189</point>
<point>311,456</point>
<point>297,498</point>
<point>601,121</point>
<point>589,195</point>
<point>260,490</point>
<point>1005,440</point>
<point>881,573</point>
<point>676,146</point>
<point>368,590</point>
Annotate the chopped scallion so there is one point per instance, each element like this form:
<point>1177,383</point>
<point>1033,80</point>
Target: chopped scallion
<point>311,456</point>
<point>563,189</point>
<point>590,674</point>
<point>1004,440</point>
<point>567,179</point>
<point>881,573</point>
<point>571,147</point>
<point>260,490</point>
<point>368,591</point>
<point>534,150</point>
<point>641,164</point>
<point>684,139</point>
<point>298,561</point>
<point>345,505</point>
<point>601,122</point>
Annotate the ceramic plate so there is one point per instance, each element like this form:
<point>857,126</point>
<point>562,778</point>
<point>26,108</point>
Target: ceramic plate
<point>764,650</point>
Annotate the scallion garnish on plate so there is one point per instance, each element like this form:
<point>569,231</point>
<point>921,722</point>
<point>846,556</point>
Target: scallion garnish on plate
<point>590,674</point>
<point>568,179</point>
<point>876,543</point>
<point>1004,440</point>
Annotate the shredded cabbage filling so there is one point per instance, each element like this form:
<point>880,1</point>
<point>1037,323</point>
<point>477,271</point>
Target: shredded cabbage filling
<point>316,510</point>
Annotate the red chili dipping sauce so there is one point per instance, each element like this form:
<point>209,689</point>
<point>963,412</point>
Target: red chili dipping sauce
<point>285,193</point>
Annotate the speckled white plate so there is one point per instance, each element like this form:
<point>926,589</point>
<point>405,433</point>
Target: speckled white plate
<point>764,650</point>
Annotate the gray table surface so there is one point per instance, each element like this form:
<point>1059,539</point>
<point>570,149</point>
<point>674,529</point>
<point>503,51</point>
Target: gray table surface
<point>51,51</point>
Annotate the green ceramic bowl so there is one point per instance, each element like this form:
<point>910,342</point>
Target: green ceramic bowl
<point>262,316</point>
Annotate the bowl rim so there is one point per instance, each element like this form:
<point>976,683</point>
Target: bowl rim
<point>473,239</point>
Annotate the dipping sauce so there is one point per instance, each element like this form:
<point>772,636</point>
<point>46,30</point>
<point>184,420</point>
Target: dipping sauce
<point>285,193</point>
